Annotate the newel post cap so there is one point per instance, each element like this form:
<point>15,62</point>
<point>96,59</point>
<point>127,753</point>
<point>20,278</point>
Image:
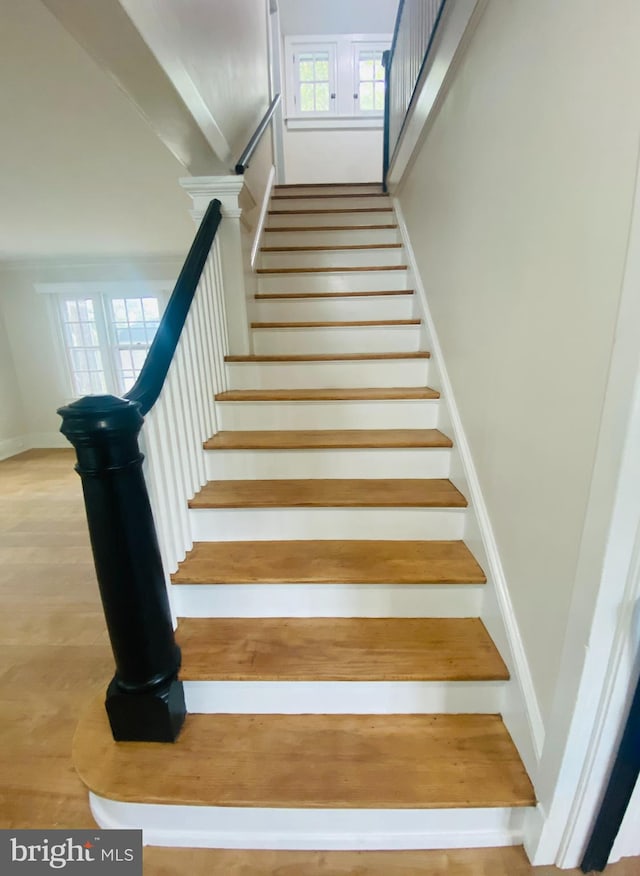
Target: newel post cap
<point>97,417</point>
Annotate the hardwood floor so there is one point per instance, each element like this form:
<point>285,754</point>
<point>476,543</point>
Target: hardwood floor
<point>54,656</point>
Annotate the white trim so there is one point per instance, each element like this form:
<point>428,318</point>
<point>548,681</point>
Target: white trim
<point>335,123</point>
<point>455,28</point>
<point>257,239</point>
<point>311,829</point>
<point>129,288</point>
<point>91,261</point>
<point>12,446</point>
<point>495,573</point>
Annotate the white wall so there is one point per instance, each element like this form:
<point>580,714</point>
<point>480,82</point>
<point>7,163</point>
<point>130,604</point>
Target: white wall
<point>518,206</point>
<point>222,47</point>
<point>333,156</point>
<point>337,16</point>
<point>80,170</point>
<point>33,345</point>
<point>12,426</point>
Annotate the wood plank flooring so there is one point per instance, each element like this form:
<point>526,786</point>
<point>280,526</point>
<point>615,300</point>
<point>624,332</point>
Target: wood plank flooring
<point>45,566</point>
<point>326,562</point>
<point>332,493</point>
<point>338,649</point>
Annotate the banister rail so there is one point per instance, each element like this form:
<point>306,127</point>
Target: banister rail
<point>243,162</point>
<point>151,379</point>
<point>415,28</point>
<point>138,518</point>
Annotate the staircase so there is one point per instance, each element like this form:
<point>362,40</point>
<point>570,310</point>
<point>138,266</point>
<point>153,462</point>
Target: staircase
<point>343,691</point>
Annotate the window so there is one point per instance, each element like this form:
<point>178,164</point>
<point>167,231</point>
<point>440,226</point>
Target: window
<point>315,81</point>
<point>369,80</point>
<point>105,330</point>
<point>107,339</point>
<point>335,81</point>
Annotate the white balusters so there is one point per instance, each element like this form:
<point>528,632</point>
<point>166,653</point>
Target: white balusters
<point>183,417</point>
<point>416,26</point>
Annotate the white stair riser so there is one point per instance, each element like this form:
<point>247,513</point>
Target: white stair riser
<point>337,339</point>
<point>338,203</point>
<point>312,829</point>
<point>395,414</point>
<point>332,281</point>
<point>336,309</point>
<point>326,600</point>
<point>249,524</point>
<point>333,258</point>
<point>317,375</point>
<point>343,697</point>
<point>331,238</point>
<point>302,220</point>
<point>339,463</point>
<point>337,189</point>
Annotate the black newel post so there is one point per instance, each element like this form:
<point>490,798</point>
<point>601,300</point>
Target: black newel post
<point>145,700</point>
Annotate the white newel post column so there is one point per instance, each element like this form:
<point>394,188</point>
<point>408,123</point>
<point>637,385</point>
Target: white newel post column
<point>202,189</point>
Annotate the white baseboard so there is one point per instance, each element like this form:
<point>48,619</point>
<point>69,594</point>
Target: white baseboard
<point>13,446</point>
<point>312,829</point>
<point>521,714</point>
<point>31,441</point>
<point>257,240</point>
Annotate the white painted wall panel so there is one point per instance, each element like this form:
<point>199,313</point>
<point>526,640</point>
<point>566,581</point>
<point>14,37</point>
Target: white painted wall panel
<point>317,156</point>
<point>518,207</point>
<point>12,426</point>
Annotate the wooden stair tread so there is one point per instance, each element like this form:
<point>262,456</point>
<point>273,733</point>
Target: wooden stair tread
<point>372,209</point>
<point>292,196</point>
<point>338,649</point>
<point>327,357</point>
<point>262,296</point>
<point>292,439</point>
<point>355,394</point>
<point>332,269</point>
<point>328,185</point>
<point>331,227</point>
<point>330,492</point>
<point>329,562</point>
<point>354,323</point>
<point>335,248</point>
<point>315,761</point>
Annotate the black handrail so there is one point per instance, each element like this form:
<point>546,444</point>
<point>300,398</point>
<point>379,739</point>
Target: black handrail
<point>151,379</point>
<point>245,158</point>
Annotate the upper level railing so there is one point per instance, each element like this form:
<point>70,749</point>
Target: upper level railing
<point>416,24</point>
<point>243,162</point>
<point>138,521</point>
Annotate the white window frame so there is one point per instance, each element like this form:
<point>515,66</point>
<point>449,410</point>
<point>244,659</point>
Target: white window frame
<point>345,49</point>
<point>300,49</point>
<point>101,294</point>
